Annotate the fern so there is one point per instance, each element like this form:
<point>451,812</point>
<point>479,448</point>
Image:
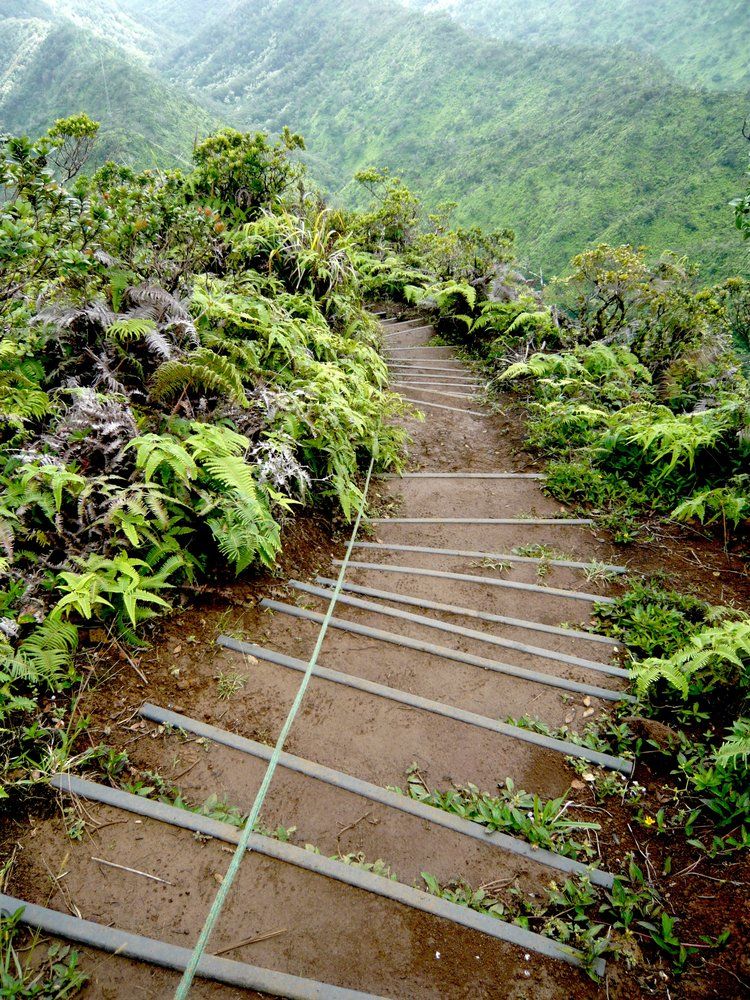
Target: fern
<point>246,531</point>
<point>736,747</point>
<point>124,330</point>
<point>245,355</point>
<point>541,365</point>
<point>133,591</point>
<point>447,294</point>
<point>43,659</point>
<point>208,440</point>
<point>140,512</point>
<point>665,439</point>
<point>707,506</point>
<point>650,671</point>
<point>232,473</point>
<point>21,398</point>
<point>156,452</point>
<point>48,652</point>
<point>201,369</point>
<point>717,655</point>
<point>55,478</point>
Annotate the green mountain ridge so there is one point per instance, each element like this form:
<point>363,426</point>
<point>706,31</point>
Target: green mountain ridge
<point>567,143</point>
<point>702,43</point>
<point>172,20</point>
<point>52,68</point>
<point>566,146</point>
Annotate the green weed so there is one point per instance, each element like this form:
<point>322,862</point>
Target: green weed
<point>57,975</point>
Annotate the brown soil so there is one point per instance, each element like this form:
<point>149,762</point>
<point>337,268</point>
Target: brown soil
<point>332,932</point>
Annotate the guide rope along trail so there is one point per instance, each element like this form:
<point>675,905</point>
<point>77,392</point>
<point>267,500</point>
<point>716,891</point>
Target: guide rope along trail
<point>214,913</point>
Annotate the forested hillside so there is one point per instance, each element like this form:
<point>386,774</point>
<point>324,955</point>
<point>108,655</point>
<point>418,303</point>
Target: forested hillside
<point>49,68</point>
<point>703,43</point>
<point>565,147</point>
<point>173,20</point>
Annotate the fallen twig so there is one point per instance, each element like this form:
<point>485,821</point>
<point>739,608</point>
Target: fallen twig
<point>133,871</point>
<point>131,662</point>
<point>742,982</point>
<point>112,822</point>
<point>251,940</point>
<point>186,771</point>
<point>712,878</point>
<point>352,825</point>
<point>57,879</point>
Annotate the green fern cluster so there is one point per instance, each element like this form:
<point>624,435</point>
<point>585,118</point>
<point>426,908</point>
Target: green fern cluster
<point>330,396</point>
<point>600,374</point>
<point>203,371</point>
<point>21,397</point>
<point>43,660</point>
<point>665,440</point>
<point>735,749</point>
<point>184,352</point>
<point>719,655</point>
<point>390,277</point>
<point>716,660</point>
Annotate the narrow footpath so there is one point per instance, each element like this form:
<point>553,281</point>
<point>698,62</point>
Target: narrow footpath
<point>448,631</point>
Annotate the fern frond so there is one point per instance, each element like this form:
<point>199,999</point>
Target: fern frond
<point>647,673</point>
<point>158,344</point>
<point>736,747</point>
<point>719,654</point>
<point>125,329</point>
<point>201,369</point>
<point>208,440</point>
<point>233,473</point>
<point>155,451</point>
<point>48,652</point>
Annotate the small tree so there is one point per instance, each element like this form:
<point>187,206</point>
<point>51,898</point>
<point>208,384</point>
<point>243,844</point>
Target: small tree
<point>244,172</point>
<point>73,140</point>
<point>472,254</point>
<point>393,218</point>
<point>652,308</point>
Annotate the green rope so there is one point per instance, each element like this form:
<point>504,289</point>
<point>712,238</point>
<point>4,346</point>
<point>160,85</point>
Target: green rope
<point>216,907</point>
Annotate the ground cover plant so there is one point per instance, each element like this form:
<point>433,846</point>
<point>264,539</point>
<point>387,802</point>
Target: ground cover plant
<point>186,358</point>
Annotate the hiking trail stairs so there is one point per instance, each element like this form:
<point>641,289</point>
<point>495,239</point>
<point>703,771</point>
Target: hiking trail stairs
<point>464,609</point>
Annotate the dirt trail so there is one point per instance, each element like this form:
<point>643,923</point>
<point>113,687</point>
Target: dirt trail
<point>333,932</point>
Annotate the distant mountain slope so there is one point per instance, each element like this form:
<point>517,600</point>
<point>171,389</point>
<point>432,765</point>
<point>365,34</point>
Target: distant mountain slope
<point>51,68</point>
<point>172,20</point>
<point>107,19</point>
<point>568,147</point>
<point>704,42</point>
